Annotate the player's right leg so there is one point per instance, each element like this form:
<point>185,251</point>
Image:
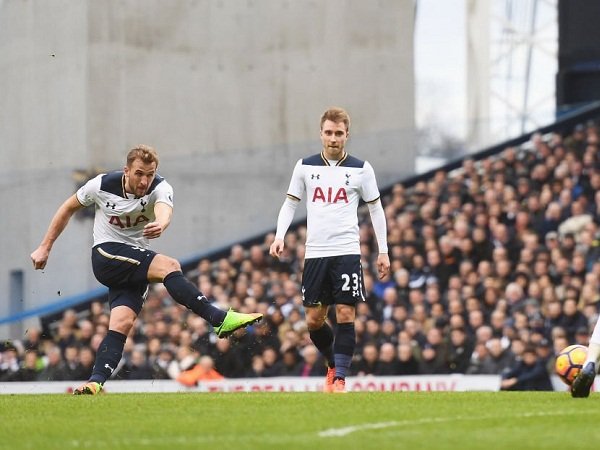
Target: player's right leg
<point>585,378</point>
<point>168,271</point>
<point>117,265</point>
<point>322,337</point>
<point>582,384</point>
<point>316,289</point>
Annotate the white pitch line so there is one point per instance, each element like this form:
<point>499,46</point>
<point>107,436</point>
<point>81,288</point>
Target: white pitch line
<point>344,431</point>
<point>335,432</point>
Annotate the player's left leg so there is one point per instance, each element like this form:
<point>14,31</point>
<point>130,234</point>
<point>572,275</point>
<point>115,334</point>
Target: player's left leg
<point>344,344</point>
<point>582,384</point>
<point>168,271</point>
<point>110,349</point>
<point>348,289</point>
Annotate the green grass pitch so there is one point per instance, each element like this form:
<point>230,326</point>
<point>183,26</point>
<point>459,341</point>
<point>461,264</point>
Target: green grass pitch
<point>357,420</point>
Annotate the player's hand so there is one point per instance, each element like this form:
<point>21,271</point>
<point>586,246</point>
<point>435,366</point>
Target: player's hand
<point>383,265</point>
<point>152,230</point>
<point>276,248</point>
<point>39,257</point>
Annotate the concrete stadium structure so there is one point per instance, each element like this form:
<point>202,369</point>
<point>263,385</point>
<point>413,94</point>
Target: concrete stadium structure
<point>229,92</point>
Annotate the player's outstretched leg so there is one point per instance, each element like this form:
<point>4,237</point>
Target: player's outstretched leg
<point>89,388</point>
<point>583,382</point>
<point>188,295</point>
<point>234,321</point>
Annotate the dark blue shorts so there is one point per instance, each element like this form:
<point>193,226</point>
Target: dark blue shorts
<point>123,268</point>
<point>332,280</point>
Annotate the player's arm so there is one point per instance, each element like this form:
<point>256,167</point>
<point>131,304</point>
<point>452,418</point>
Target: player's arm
<point>61,218</point>
<point>288,209</point>
<point>162,213</point>
<point>380,228</point>
<point>284,220</point>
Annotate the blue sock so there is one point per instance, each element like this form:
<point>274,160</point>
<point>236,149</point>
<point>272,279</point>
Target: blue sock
<point>108,356</point>
<point>323,340</point>
<point>186,294</point>
<point>343,348</point>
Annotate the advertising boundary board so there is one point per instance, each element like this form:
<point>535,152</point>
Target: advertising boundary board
<point>418,383</point>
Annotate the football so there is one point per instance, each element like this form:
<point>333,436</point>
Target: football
<point>569,362</point>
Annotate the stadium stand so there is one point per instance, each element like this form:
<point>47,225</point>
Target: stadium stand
<point>491,255</point>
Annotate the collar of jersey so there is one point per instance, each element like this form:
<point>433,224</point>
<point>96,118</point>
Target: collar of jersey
<point>339,163</point>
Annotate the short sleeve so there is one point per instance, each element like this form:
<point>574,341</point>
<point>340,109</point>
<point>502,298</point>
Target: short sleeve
<point>369,189</point>
<point>164,193</point>
<point>88,193</point>
<point>297,186</point>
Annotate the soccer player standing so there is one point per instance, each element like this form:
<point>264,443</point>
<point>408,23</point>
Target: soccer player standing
<point>334,182</point>
<point>132,206</point>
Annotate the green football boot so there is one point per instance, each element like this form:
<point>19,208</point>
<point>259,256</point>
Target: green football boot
<point>235,320</point>
<point>89,388</point>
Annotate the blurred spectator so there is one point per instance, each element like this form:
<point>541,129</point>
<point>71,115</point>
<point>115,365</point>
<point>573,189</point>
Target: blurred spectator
<point>137,367</point>
<point>368,362</point>
<point>498,358</point>
<point>273,366</point>
<point>313,364</point>
<point>184,360</point>
<point>33,340</point>
<point>203,371</point>
<point>9,362</point>
<point>407,363</point>
<point>291,366</point>
<point>160,366</point>
<point>72,370</point>
<point>529,374</point>
<point>54,368</point>
<point>86,361</point>
<point>228,360</point>
<point>29,369</point>
<point>387,364</point>
<point>572,319</point>
<point>459,351</point>
<point>430,363</point>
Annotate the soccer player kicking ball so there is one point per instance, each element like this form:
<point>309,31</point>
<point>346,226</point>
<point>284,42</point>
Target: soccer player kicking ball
<point>132,206</point>
<point>334,182</point>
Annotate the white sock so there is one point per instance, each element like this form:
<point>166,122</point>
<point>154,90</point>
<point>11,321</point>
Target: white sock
<point>593,354</point>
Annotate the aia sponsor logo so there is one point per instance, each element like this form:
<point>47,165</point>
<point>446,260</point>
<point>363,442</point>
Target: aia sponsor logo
<point>328,196</point>
<point>128,221</point>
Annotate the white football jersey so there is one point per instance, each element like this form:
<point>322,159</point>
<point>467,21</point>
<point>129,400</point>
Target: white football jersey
<point>332,198</point>
<point>121,217</point>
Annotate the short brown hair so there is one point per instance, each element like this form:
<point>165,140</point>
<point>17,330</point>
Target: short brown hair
<point>336,115</point>
<point>144,152</point>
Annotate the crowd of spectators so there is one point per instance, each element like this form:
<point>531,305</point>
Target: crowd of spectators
<point>495,267</point>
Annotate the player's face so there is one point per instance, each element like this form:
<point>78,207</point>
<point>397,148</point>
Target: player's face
<point>139,177</point>
<point>333,136</point>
